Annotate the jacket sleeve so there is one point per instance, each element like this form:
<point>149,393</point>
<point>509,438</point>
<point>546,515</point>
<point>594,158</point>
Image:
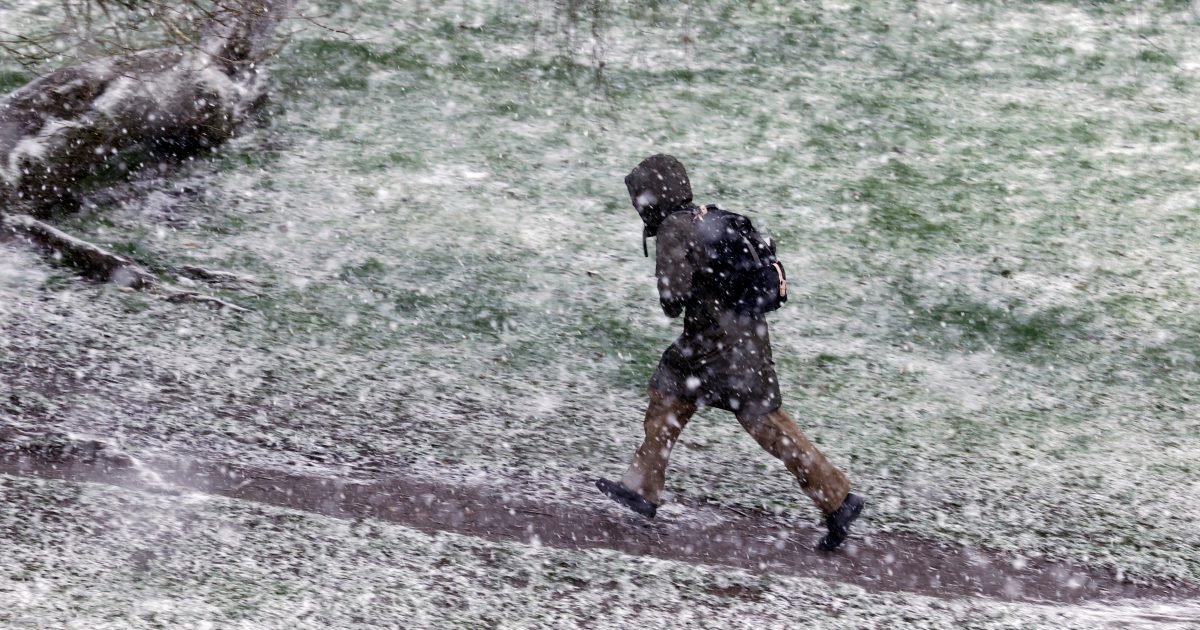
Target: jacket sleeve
<point>673,266</point>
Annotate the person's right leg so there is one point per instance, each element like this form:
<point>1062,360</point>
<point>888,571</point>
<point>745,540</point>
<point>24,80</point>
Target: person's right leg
<point>665,418</point>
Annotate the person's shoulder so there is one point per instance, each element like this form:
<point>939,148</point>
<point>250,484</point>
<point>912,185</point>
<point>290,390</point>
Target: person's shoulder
<point>677,222</point>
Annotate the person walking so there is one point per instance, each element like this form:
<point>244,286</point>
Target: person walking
<point>708,261</point>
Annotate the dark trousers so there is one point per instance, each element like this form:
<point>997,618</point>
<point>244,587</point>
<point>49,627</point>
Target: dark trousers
<point>775,431</point>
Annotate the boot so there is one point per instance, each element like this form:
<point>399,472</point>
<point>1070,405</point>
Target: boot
<point>838,522</point>
<point>630,499</point>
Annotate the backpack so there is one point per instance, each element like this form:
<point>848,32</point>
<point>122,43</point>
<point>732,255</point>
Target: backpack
<point>737,263</point>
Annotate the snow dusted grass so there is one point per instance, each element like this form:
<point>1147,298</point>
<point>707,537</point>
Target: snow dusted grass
<point>987,211</point>
<point>97,557</point>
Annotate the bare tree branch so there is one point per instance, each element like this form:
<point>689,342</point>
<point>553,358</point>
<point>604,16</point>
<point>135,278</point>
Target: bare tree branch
<point>93,260</point>
<point>101,263</point>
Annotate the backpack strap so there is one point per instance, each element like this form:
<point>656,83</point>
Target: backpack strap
<point>753,251</point>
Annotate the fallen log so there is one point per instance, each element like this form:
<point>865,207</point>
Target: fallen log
<point>64,134</point>
<point>86,120</point>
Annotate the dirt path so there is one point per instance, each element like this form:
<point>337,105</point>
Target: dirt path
<point>721,536</point>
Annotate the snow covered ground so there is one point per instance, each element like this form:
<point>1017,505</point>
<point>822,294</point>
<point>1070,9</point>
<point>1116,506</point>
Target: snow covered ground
<point>987,211</point>
<point>90,556</point>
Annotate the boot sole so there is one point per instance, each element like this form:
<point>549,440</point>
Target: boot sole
<point>630,499</point>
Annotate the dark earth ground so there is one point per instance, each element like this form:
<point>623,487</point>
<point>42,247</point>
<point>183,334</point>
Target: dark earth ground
<point>711,534</point>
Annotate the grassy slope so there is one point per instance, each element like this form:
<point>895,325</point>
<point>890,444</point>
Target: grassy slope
<point>986,209</point>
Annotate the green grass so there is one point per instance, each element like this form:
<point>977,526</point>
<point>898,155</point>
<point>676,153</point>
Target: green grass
<point>12,79</point>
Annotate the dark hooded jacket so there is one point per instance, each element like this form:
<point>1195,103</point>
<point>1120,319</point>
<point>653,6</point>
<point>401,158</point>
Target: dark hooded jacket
<point>723,358</point>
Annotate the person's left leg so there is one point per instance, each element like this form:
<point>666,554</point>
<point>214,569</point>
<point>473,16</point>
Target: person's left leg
<point>827,486</point>
<point>778,434</point>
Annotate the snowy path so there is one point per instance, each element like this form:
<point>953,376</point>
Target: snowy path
<point>691,533</point>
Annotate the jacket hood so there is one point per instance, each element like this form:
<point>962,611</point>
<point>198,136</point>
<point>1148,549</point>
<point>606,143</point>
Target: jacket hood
<point>657,187</point>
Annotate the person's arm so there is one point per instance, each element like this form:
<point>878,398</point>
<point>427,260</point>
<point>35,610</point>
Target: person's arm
<point>673,266</point>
